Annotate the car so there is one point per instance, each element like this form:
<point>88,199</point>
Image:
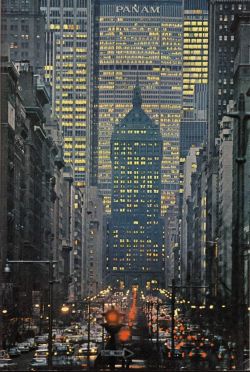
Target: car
<point>6,364</point>
<point>197,354</point>
<point>42,339</point>
<point>32,344</point>
<point>177,354</point>
<point>222,352</point>
<point>4,354</point>
<point>42,347</point>
<point>93,349</point>
<point>63,349</point>
<point>137,364</point>
<point>83,361</point>
<point>42,353</point>
<point>23,347</point>
<point>14,352</point>
<point>38,363</point>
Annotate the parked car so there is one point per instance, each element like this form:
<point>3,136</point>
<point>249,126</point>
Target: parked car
<point>4,354</point>
<point>14,352</point>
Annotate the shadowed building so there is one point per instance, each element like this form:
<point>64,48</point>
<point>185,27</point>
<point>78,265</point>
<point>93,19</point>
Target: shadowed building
<point>23,32</point>
<point>136,253</point>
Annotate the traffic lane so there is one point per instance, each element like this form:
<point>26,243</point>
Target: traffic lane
<point>23,361</point>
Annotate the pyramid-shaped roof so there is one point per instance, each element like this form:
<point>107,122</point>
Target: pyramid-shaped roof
<point>137,125</point>
<point>137,117</point>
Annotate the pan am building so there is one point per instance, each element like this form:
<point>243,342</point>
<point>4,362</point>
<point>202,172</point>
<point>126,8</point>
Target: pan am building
<point>144,38</point>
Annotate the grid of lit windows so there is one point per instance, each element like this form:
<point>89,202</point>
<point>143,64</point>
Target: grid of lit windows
<point>150,45</point>
<point>66,70</point>
<point>195,55</point>
<point>136,228</point>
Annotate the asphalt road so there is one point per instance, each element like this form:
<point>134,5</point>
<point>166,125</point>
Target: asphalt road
<point>23,361</point>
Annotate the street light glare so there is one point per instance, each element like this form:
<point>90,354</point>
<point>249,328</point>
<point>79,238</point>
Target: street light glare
<point>64,308</point>
<point>7,268</point>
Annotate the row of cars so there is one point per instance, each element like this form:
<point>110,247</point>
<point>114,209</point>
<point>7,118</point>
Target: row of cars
<point>196,346</point>
<point>69,349</point>
<point>6,356</point>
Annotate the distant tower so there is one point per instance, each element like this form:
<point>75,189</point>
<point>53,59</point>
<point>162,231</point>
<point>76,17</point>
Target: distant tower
<point>136,254</point>
<point>144,37</point>
<point>68,53</point>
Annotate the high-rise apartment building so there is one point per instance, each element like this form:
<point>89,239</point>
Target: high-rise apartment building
<point>68,27</point>
<point>136,252</point>
<point>144,38</point>
<point>23,32</point>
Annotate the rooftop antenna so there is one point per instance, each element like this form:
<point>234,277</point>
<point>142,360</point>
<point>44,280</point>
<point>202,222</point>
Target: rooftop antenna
<point>137,99</point>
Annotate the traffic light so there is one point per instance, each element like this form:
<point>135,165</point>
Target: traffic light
<point>124,334</point>
<point>112,317</point>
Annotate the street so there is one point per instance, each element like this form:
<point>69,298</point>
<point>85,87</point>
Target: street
<point>134,331</point>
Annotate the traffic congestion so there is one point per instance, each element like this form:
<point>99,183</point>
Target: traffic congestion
<point>125,329</point>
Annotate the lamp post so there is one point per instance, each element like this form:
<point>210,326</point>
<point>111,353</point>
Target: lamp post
<point>50,263</point>
<point>88,359</point>
<point>157,324</point>
<point>88,303</point>
<point>173,318</point>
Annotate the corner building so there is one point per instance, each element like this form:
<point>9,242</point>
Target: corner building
<point>143,37</point>
<point>136,252</point>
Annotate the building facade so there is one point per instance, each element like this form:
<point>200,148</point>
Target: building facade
<point>221,91</point>
<point>143,38</point>
<point>241,200</point>
<point>94,260</point>
<point>189,168</point>
<point>12,206</point>
<point>225,213</point>
<point>27,191</point>
<point>68,50</point>
<point>136,251</point>
<point>196,264</point>
<point>23,32</point>
<point>195,52</point>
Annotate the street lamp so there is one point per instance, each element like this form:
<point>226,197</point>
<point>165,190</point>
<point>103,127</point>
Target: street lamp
<point>7,269</point>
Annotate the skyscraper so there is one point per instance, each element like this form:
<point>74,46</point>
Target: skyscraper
<point>193,127</point>
<point>136,252</point>
<point>143,37</point>
<point>195,52</point>
<point>68,31</point>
